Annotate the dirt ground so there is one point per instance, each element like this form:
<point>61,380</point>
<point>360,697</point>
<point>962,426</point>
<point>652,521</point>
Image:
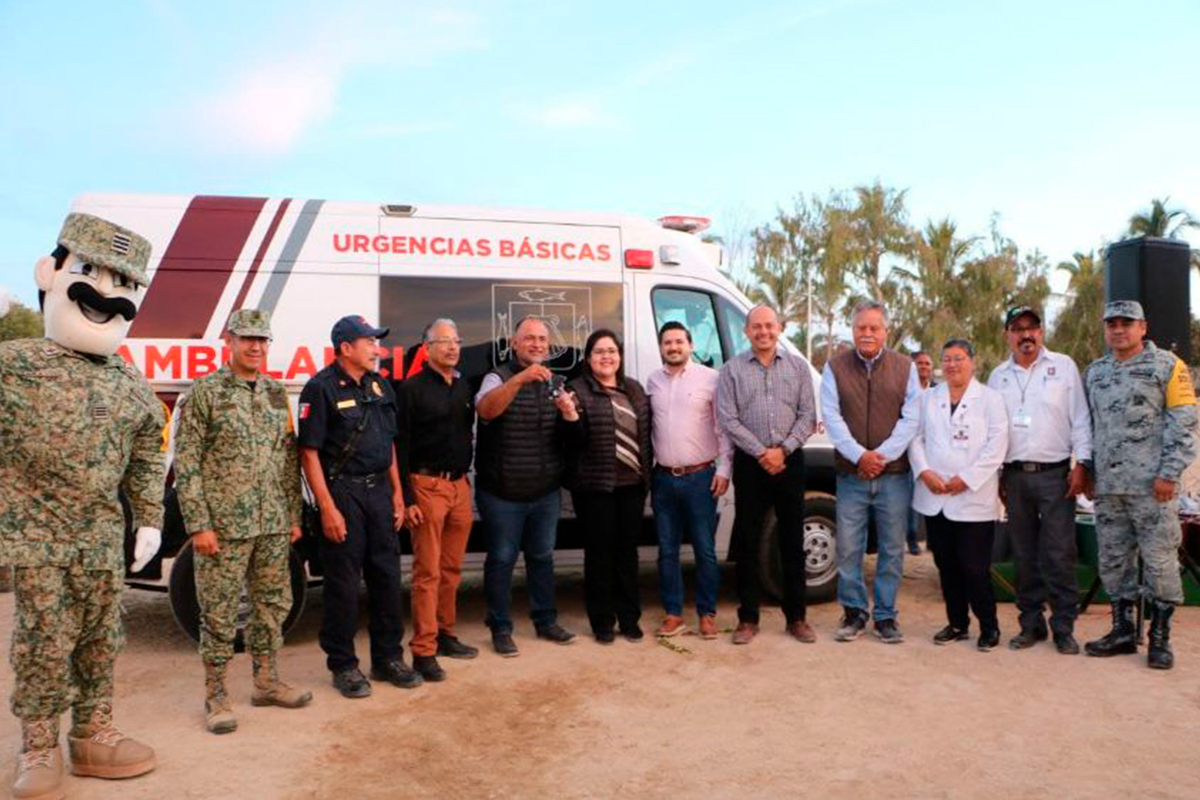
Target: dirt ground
<point>774,719</point>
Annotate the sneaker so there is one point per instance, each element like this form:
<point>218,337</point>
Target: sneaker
<point>604,637</point>
<point>556,633</point>
<point>351,683</point>
<point>451,647</point>
<point>802,631</point>
<point>708,626</point>
<point>853,624</point>
<point>950,634</point>
<point>989,639</point>
<point>632,632</point>
<point>397,673</point>
<point>504,645</point>
<point>672,625</point>
<point>1028,637</point>
<point>887,632</point>
<point>428,668</point>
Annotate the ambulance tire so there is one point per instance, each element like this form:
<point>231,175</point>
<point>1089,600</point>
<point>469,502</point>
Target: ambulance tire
<point>181,588</point>
<point>820,550</point>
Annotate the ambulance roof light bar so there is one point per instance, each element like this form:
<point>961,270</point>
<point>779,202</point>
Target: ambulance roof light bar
<point>398,209</point>
<point>679,222</point>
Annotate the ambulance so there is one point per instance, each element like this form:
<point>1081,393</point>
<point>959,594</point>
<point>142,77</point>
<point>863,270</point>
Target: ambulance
<point>310,262</point>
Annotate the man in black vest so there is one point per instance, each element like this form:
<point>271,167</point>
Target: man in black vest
<point>518,466</point>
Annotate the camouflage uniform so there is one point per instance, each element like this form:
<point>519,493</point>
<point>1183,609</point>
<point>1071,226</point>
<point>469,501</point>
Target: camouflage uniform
<point>1144,427</point>
<point>237,472</point>
<point>73,428</point>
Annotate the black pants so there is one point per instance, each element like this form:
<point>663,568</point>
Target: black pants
<point>756,492</point>
<point>1041,526</point>
<point>611,522</point>
<point>371,551</point>
<point>963,554</point>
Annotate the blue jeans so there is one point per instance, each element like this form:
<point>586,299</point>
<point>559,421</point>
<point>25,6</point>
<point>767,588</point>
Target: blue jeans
<point>685,503</point>
<point>513,527</point>
<point>888,497</point>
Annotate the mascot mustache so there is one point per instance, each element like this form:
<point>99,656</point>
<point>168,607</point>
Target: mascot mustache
<point>85,294</point>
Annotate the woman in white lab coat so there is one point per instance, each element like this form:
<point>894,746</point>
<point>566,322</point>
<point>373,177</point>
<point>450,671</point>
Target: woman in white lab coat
<point>956,456</point>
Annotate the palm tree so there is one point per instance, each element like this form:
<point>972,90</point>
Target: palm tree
<point>879,222</point>
<point>1076,331</point>
<point>1161,221</point>
<point>938,255</point>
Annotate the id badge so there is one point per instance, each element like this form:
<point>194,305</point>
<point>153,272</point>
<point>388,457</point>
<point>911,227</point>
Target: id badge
<point>962,439</point>
<point>1022,419</point>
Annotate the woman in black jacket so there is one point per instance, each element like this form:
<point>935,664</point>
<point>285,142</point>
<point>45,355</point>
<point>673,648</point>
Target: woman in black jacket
<point>608,473</point>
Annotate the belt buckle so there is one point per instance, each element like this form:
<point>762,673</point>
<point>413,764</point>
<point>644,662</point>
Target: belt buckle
<point>678,472</point>
<point>1029,466</point>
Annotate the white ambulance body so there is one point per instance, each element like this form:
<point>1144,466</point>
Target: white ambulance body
<point>311,262</point>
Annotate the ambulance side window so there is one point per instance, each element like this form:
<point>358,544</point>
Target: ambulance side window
<point>734,320</point>
<point>695,310</point>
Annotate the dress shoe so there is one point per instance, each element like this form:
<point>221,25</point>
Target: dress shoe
<point>504,645</point>
<point>633,632</point>
<point>1065,643</point>
<point>988,639</point>
<point>397,673</point>
<point>708,626</point>
<point>351,683</point>
<point>604,637</point>
<point>428,668</point>
<point>745,633</point>
<point>556,633</point>
<point>451,647</point>
<point>950,634</point>
<point>802,631</point>
<point>1028,637</point>
<point>672,625</point>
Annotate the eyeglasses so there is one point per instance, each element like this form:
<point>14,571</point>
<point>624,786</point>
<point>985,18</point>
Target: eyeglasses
<point>1028,329</point>
<point>607,351</point>
<point>954,359</point>
<point>446,340</point>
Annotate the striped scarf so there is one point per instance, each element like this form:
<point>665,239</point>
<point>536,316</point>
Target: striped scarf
<point>628,449</point>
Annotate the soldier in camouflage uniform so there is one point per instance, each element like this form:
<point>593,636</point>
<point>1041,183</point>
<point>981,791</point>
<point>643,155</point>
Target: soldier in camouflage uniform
<point>1144,434</point>
<point>237,474</point>
<point>77,423</point>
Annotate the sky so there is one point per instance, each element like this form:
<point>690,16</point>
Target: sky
<point>1061,118</point>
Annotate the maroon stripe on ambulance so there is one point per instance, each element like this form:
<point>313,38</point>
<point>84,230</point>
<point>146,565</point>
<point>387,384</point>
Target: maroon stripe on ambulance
<point>262,252</point>
<point>196,267</point>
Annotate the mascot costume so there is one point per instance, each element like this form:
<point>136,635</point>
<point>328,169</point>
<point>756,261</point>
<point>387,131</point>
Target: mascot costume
<point>77,426</point>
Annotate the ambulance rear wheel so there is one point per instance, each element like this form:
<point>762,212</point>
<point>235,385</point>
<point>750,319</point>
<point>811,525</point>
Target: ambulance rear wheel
<point>185,606</point>
<point>820,550</point>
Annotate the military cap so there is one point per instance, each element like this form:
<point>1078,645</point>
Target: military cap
<point>1017,312</point>
<point>1129,309</point>
<point>250,322</point>
<point>106,244</point>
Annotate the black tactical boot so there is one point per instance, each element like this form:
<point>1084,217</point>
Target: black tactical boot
<point>1122,639</point>
<point>1161,656</point>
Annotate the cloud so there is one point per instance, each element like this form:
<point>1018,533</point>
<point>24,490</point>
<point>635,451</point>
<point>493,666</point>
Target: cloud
<point>572,113</point>
<point>267,101</point>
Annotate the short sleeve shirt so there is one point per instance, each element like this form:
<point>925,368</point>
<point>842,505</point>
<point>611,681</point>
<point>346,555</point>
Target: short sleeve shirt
<point>333,405</point>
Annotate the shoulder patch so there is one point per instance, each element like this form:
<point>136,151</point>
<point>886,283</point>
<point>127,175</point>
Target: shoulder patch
<point>1179,387</point>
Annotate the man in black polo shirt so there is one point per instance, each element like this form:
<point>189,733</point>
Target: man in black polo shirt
<point>347,428</point>
<point>437,413</point>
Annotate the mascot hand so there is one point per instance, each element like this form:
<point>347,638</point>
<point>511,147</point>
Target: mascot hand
<point>146,544</point>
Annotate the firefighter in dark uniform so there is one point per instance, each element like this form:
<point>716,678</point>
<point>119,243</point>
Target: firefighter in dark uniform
<point>347,424</point>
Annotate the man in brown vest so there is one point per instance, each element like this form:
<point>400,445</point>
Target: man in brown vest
<point>869,404</point>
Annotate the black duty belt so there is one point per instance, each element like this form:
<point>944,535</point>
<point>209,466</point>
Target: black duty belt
<point>368,481</point>
<point>433,473</point>
<point>1036,466</point>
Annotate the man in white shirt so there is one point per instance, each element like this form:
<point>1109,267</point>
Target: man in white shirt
<point>1048,423</point>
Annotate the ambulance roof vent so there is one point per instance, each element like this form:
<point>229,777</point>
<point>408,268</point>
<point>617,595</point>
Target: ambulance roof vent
<point>398,210</point>
<point>678,222</point>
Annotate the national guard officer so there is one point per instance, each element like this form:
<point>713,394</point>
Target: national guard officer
<point>1144,436</point>
<point>347,424</point>
<point>76,424</point>
<point>237,474</point>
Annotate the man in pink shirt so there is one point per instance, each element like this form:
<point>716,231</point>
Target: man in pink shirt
<point>693,460</point>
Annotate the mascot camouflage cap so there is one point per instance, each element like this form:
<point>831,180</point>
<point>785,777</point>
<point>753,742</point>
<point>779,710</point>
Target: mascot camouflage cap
<point>106,244</point>
<point>250,322</point>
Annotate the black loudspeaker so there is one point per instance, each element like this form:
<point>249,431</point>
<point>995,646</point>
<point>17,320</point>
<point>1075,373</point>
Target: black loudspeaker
<point>1154,272</point>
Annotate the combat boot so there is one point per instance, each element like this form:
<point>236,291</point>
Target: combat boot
<point>270,691</point>
<point>1160,656</point>
<point>1122,639</point>
<point>100,750</point>
<point>40,765</point>
<point>218,716</point>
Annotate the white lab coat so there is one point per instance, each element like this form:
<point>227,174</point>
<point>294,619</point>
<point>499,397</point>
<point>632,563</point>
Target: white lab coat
<point>970,444</point>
